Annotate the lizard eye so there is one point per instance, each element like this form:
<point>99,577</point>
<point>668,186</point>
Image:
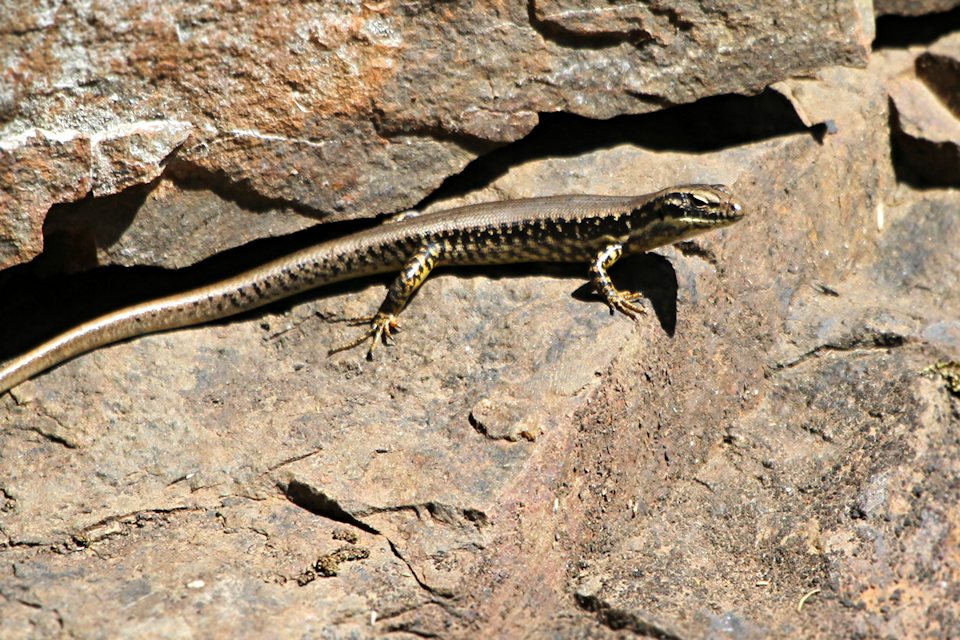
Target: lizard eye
<point>700,199</point>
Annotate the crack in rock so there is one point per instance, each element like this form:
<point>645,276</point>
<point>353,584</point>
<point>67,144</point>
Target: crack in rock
<point>618,619</point>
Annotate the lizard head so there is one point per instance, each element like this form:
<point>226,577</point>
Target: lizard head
<point>678,213</point>
<point>705,206</point>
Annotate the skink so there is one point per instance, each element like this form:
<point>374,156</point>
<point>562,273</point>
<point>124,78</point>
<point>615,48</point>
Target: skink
<point>596,230</point>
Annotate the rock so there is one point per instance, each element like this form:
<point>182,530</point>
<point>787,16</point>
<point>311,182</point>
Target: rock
<point>927,130</point>
<point>40,168</point>
<point>37,169</point>
<point>350,110</point>
<point>912,7</point>
<point>939,68</point>
<point>765,453</point>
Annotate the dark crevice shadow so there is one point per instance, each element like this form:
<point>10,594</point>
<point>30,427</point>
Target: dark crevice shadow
<point>900,32</point>
<point>941,75</point>
<point>41,302</point>
<point>707,125</point>
<point>73,231</point>
<point>318,503</point>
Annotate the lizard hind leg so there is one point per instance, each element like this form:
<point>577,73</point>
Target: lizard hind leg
<point>384,323</point>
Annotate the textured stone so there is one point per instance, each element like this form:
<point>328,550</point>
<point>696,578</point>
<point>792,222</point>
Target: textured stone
<point>939,68</point>
<point>692,480</point>
<point>629,20</point>
<point>39,168</point>
<point>521,464</point>
<point>346,109</point>
<point>927,135</point>
<point>927,115</point>
<point>164,223</point>
<point>913,7</point>
<point>133,153</point>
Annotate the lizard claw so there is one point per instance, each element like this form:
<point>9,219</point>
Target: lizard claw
<point>381,330</point>
<point>625,303</point>
<point>382,327</point>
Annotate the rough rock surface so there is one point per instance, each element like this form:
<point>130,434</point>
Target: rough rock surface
<point>912,7</point>
<point>759,456</point>
<point>351,108</point>
<point>926,132</point>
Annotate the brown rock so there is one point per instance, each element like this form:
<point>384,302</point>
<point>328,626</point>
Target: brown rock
<point>356,109</point>
<point>759,456</point>
<point>41,168</point>
<point>939,68</point>
<point>164,223</point>
<point>927,134</point>
<point>633,21</point>
<point>927,130</point>
<point>912,7</point>
<point>37,170</point>
<point>134,153</point>
<point>740,456</point>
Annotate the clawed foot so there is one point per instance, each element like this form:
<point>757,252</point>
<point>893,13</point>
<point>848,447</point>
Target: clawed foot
<point>626,303</point>
<point>381,329</point>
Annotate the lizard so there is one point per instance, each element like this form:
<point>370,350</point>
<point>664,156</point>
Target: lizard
<point>593,229</point>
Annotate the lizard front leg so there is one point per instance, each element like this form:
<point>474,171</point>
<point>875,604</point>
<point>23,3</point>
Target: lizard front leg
<point>623,301</point>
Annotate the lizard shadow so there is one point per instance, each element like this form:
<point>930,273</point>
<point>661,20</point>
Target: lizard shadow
<point>649,274</point>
